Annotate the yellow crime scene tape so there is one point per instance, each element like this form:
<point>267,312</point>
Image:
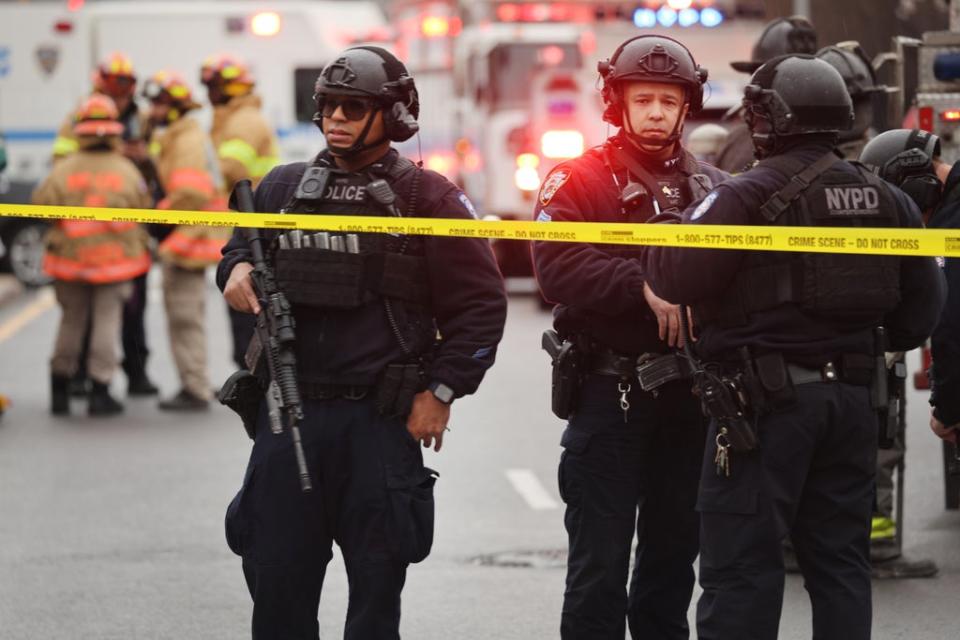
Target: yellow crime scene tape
<point>859,240</point>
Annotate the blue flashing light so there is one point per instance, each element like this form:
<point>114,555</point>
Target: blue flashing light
<point>666,16</point>
<point>710,17</point>
<point>688,17</point>
<point>645,18</point>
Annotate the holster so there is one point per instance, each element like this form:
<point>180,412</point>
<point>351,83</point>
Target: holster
<point>397,386</point>
<point>724,402</point>
<point>243,394</point>
<point>565,380</point>
<point>882,401</point>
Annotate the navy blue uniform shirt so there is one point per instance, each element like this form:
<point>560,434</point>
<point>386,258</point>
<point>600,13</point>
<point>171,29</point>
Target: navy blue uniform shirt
<point>945,342</point>
<point>688,276</point>
<point>599,287</point>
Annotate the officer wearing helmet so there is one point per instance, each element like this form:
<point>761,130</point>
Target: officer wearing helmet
<point>791,344</point>
<point>857,72</point>
<point>794,34</point>
<point>631,457</point>
<point>910,159</point>
<point>380,360</point>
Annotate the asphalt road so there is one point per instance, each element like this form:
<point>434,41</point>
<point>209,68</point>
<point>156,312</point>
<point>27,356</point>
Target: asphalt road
<point>113,529</point>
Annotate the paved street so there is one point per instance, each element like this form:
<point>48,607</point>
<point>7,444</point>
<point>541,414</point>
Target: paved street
<point>113,529</point>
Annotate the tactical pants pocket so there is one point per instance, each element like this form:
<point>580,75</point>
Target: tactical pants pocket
<point>236,523</point>
<point>574,443</point>
<point>410,512</point>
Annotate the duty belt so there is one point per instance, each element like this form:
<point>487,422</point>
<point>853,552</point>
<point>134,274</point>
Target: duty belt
<point>829,372</point>
<point>326,391</point>
<point>610,364</point>
<point>652,370</point>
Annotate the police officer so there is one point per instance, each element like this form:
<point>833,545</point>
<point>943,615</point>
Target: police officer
<point>379,363</point>
<point>910,159</point>
<point>907,159</point>
<point>804,380</point>
<point>857,72</point>
<point>781,36</point>
<point>631,458</point>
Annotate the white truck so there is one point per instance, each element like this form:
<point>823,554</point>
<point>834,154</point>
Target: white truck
<point>47,54</point>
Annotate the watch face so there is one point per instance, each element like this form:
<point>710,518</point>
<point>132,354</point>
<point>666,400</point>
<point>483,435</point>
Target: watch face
<point>443,393</point>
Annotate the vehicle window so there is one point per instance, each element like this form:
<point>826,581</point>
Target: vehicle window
<point>513,67</point>
<point>303,81</point>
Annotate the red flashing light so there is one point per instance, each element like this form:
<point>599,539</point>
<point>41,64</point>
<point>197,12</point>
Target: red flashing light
<point>63,26</point>
<point>508,13</point>
<point>551,55</point>
<point>75,5</point>
<point>926,118</point>
<point>950,115</point>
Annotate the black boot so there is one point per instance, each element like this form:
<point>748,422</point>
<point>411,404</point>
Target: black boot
<point>79,385</point>
<point>138,384</point>
<point>184,401</point>
<point>101,402</point>
<point>59,395</point>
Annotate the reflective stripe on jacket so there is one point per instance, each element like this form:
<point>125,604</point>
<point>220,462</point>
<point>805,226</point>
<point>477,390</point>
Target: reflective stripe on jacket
<point>88,250</point>
<point>244,140</point>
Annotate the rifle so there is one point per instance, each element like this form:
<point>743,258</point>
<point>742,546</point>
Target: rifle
<point>276,335</point>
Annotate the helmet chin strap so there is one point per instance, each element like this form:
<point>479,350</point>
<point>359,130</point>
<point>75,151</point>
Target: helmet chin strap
<point>361,144</point>
<point>659,143</point>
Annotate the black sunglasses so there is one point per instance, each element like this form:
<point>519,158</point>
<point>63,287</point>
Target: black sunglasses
<point>353,108</point>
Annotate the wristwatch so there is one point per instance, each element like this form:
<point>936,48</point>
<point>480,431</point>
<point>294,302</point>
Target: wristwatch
<point>441,392</point>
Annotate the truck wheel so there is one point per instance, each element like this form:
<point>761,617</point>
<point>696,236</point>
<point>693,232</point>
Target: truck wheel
<point>24,252</point>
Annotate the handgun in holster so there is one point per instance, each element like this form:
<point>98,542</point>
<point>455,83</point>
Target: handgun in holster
<point>396,388</point>
<point>565,382</point>
<point>243,393</point>
<point>722,400</point>
<point>881,400</point>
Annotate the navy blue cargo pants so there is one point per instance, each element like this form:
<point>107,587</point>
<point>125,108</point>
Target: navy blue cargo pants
<point>812,478</point>
<point>372,496</point>
<point>619,477</point>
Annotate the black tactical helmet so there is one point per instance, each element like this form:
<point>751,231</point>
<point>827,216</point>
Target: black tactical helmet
<point>780,37</point>
<point>849,59</point>
<point>653,59</point>
<point>904,157</point>
<point>795,95</point>
<point>374,73</point>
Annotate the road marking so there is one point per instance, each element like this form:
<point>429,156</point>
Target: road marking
<point>525,483</point>
<point>45,300</point>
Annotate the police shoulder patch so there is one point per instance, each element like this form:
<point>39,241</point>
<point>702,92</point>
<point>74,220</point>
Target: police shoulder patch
<point>465,201</point>
<point>552,184</point>
<point>704,206</point>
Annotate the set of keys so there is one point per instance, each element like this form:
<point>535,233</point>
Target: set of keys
<point>297,239</point>
<point>722,457</point>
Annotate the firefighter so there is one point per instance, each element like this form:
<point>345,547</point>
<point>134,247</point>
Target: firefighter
<point>190,176</point>
<point>245,144</point>
<point>92,262</point>
<point>115,77</point>
<point>781,36</point>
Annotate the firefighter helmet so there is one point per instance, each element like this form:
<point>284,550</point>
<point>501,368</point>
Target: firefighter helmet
<point>228,73</point>
<point>97,116</point>
<point>169,87</point>
<point>114,76</point>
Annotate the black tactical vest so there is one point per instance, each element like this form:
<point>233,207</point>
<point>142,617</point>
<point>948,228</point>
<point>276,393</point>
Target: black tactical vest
<point>832,286</point>
<point>389,271</point>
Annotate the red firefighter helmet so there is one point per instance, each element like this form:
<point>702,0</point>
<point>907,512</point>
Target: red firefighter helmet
<point>228,72</point>
<point>114,76</point>
<point>169,87</point>
<point>97,116</point>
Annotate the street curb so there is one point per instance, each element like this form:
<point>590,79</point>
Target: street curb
<point>10,288</point>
